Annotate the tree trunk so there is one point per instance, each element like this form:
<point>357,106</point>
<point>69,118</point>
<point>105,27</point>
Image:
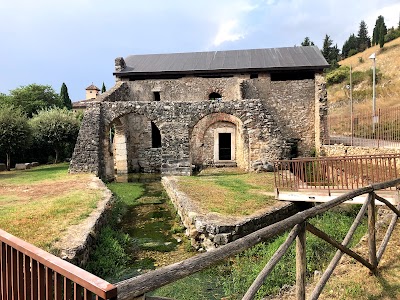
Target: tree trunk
<point>8,161</point>
<point>56,159</point>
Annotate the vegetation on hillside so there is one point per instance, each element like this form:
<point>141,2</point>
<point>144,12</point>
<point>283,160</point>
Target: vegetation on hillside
<point>388,79</point>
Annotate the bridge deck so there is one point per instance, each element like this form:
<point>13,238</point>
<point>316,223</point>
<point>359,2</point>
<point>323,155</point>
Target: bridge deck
<point>323,179</point>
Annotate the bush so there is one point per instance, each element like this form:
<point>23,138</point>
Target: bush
<point>352,52</point>
<point>337,76</point>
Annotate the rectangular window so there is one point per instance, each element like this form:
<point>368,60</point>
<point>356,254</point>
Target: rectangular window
<point>156,96</point>
<point>252,76</point>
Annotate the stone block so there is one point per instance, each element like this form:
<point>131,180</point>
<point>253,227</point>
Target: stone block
<point>3,167</point>
<point>34,164</point>
<point>23,166</point>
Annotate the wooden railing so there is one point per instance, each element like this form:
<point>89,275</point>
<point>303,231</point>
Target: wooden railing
<point>28,272</point>
<point>137,286</point>
<point>335,173</point>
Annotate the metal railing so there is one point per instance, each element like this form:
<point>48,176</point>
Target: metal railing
<point>381,131</point>
<point>28,272</point>
<point>335,173</point>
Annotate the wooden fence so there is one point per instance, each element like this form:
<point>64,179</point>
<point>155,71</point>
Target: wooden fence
<point>137,286</point>
<point>28,272</point>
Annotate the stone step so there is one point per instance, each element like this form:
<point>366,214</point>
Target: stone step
<point>227,164</point>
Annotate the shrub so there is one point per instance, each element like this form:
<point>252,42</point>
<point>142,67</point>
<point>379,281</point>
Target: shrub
<point>337,76</point>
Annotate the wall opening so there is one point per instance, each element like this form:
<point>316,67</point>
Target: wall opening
<point>253,75</point>
<point>214,96</point>
<point>224,145</point>
<point>156,96</point>
<point>155,136</point>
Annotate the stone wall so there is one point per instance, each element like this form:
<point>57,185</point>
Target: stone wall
<point>185,89</point>
<point>292,103</point>
<point>284,115</point>
<point>212,230</point>
<point>341,150</point>
<point>79,240</point>
<point>176,121</point>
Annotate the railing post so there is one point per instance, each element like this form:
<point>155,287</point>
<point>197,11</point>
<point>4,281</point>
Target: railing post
<point>301,263</point>
<point>371,232</point>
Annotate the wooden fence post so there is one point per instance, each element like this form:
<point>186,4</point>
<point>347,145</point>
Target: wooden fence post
<point>301,263</point>
<point>371,232</point>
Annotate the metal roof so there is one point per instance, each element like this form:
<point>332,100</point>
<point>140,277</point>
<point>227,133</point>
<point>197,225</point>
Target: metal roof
<point>288,58</point>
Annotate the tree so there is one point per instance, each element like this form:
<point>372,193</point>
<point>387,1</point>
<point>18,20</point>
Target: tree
<point>382,33</point>
<point>331,53</point>
<point>34,97</point>
<point>55,127</point>
<point>103,88</point>
<point>65,97</point>
<point>363,39</point>
<point>307,42</point>
<point>379,29</point>
<point>14,131</point>
<point>349,45</point>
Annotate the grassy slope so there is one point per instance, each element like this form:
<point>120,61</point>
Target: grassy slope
<point>388,89</point>
<point>38,205</point>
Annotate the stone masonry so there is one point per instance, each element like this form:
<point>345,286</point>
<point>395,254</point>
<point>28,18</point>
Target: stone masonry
<point>265,119</point>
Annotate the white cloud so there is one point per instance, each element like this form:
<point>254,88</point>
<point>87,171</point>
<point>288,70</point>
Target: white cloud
<point>231,20</point>
<point>228,31</point>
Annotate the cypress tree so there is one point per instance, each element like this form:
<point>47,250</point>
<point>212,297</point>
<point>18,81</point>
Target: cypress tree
<point>65,97</point>
<point>103,88</point>
<point>363,38</point>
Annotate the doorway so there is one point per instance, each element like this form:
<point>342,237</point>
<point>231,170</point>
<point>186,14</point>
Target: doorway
<point>225,146</point>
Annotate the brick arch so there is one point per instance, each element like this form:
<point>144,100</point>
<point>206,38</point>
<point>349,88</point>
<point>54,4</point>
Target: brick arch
<point>201,146</point>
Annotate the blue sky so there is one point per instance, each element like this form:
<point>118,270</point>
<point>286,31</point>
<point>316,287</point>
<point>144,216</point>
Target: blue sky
<point>76,41</point>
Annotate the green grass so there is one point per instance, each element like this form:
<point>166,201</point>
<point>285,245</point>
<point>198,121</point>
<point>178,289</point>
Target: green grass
<point>230,193</point>
<point>235,275</point>
<point>38,205</point>
<point>35,175</point>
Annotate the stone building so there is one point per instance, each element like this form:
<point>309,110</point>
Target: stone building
<point>92,92</point>
<point>171,113</point>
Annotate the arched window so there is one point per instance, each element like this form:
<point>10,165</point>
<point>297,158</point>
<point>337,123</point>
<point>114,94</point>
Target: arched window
<point>214,96</point>
<point>155,136</point>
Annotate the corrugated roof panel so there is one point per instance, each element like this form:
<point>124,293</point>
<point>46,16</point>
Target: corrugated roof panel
<point>273,58</point>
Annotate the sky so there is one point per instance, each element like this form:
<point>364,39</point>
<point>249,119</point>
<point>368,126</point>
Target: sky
<point>76,41</point>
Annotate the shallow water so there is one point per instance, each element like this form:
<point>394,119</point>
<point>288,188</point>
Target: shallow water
<point>152,225</point>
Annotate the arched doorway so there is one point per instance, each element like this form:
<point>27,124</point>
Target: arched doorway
<point>219,138</point>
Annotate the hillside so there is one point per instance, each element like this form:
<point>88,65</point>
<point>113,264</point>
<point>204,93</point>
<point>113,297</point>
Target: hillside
<point>388,84</point>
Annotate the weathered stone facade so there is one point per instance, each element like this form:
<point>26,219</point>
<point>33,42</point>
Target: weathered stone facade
<point>174,125</point>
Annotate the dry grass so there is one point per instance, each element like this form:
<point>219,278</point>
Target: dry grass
<point>38,205</point>
<point>230,191</point>
<point>388,88</point>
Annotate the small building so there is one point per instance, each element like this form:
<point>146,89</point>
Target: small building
<point>172,113</point>
<point>92,92</point>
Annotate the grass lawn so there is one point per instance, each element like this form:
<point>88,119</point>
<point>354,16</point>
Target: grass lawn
<point>39,204</point>
<point>230,191</point>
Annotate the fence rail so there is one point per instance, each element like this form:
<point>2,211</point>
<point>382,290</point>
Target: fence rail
<point>28,272</point>
<point>363,129</point>
<point>335,173</point>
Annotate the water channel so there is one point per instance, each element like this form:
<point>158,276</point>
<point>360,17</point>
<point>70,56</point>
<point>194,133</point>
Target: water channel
<point>152,224</point>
